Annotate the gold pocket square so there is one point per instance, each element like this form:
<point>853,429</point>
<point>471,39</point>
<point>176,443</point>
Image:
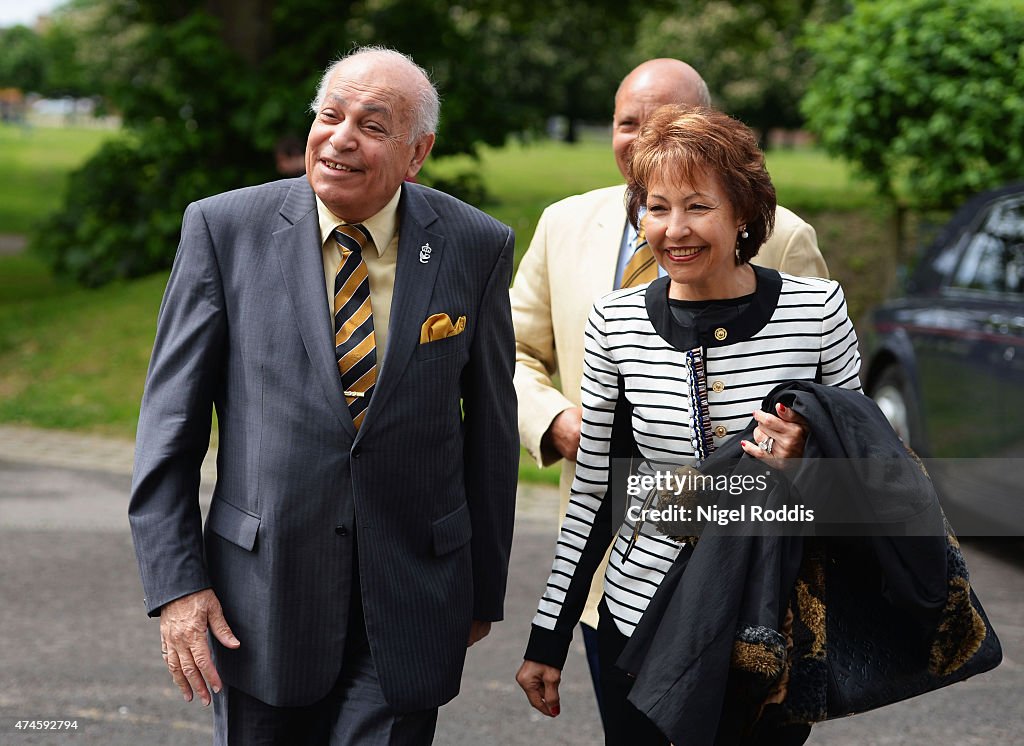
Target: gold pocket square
<point>439,326</point>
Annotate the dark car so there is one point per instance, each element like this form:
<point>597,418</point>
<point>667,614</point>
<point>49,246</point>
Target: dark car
<point>945,362</point>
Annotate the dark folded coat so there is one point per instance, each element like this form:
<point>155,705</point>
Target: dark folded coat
<point>822,625</point>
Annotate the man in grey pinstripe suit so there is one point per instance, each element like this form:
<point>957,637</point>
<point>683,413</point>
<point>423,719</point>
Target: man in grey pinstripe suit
<point>343,568</point>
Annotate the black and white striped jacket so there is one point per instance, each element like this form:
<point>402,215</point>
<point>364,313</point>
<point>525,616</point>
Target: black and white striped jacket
<point>683,402</point>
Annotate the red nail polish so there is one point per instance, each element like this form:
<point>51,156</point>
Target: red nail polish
<point>555,710</point>
<point>782,407</point>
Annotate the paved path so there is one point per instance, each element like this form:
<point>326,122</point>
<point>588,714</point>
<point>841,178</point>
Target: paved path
<point>75,643</point>
<point>12,243</point>
<point>67,450</point>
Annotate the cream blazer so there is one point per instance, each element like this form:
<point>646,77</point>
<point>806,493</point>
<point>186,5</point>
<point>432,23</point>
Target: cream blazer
<point>571,263</point>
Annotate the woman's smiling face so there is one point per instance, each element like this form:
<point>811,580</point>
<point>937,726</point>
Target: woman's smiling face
<point>692,231</point>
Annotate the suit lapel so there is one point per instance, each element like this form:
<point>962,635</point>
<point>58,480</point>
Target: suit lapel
<point>414,286</point>
<point>298,252</point>
<point>605,241</point>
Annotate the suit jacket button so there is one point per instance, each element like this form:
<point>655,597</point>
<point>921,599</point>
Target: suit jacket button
<point>341,530</point>
<point>357,452</point>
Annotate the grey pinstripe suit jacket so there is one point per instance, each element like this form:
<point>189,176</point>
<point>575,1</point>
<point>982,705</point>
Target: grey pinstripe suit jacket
<point>428,482</point>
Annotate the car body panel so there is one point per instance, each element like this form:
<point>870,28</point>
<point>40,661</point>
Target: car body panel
<point>957,336</point>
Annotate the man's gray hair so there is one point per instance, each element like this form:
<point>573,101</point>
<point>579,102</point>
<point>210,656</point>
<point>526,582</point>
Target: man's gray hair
<point>426,105</point>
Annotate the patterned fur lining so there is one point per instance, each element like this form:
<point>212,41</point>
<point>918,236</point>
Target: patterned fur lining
<point>806,701</point>
<point>961,630</point>
<point>760,654</point>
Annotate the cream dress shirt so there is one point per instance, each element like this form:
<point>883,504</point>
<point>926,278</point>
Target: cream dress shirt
<point>380,264</point>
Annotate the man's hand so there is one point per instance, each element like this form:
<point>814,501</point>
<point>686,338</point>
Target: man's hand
<point>477,632</point>
<point>563,435</point>
<point>183,624</point>
<point>540,682</point>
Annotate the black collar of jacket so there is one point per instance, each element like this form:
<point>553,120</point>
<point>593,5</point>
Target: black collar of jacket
<point>746,325</point>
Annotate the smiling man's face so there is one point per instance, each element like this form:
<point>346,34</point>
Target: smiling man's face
<point>359,150</point>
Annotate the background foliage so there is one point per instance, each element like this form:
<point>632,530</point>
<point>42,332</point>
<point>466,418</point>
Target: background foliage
<point>54,61</point>
<point>22,59</point>
<point>207,87</point>
<point>924,96</point>
<point>749,53</point>
<point>91,379</point>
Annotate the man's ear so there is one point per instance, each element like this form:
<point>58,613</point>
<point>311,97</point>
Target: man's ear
<point>421,149</point>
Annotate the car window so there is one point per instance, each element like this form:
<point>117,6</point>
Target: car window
<point>994,258</point>
<point>944,262</point>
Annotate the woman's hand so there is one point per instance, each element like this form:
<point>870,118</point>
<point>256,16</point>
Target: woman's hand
<point>540,682</point>
<point>777,438</point>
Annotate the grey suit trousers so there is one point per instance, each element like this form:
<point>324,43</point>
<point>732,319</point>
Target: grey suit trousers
<point>354,713</point>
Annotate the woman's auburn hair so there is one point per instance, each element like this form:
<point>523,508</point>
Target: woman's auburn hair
<point>682,143</point>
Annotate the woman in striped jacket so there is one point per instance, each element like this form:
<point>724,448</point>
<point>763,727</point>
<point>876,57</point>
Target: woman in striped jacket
<point>692,354</point>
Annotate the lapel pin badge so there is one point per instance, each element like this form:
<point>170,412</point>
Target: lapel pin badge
<point>425,253</point>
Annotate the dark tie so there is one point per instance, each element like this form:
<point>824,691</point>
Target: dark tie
<point>354,341</point>
<point>641,267</point>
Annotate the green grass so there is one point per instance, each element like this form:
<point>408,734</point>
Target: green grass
<point>530,472</point>
<point>855,229</point>
<point>25,278</point>
<point>76,359</point>
<point>88,376</point>
<point>809,180</point>
<point>35,163</point>
<point>523,179</point>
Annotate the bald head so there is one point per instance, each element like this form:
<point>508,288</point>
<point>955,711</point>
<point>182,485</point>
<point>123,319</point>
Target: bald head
<point>652,84</point>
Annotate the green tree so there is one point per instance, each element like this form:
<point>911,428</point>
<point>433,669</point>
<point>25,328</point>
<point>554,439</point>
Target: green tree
<point>747,52</point>
<point>73,46</point>
<point>63,58</point>
<point>207,87</point>
<point>575,54</point>
<point>22,59</point>
<point>923,96</point>
<point>182,94</point>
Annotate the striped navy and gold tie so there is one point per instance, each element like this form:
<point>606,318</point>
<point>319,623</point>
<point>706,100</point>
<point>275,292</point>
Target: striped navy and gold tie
<point>354,342</point>
<point>641,267</point>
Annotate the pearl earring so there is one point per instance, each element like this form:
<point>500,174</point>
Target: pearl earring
<point>744,234</point>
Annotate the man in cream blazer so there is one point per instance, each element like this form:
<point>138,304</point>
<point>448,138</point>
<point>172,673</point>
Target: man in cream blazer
<point>575,257</point>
